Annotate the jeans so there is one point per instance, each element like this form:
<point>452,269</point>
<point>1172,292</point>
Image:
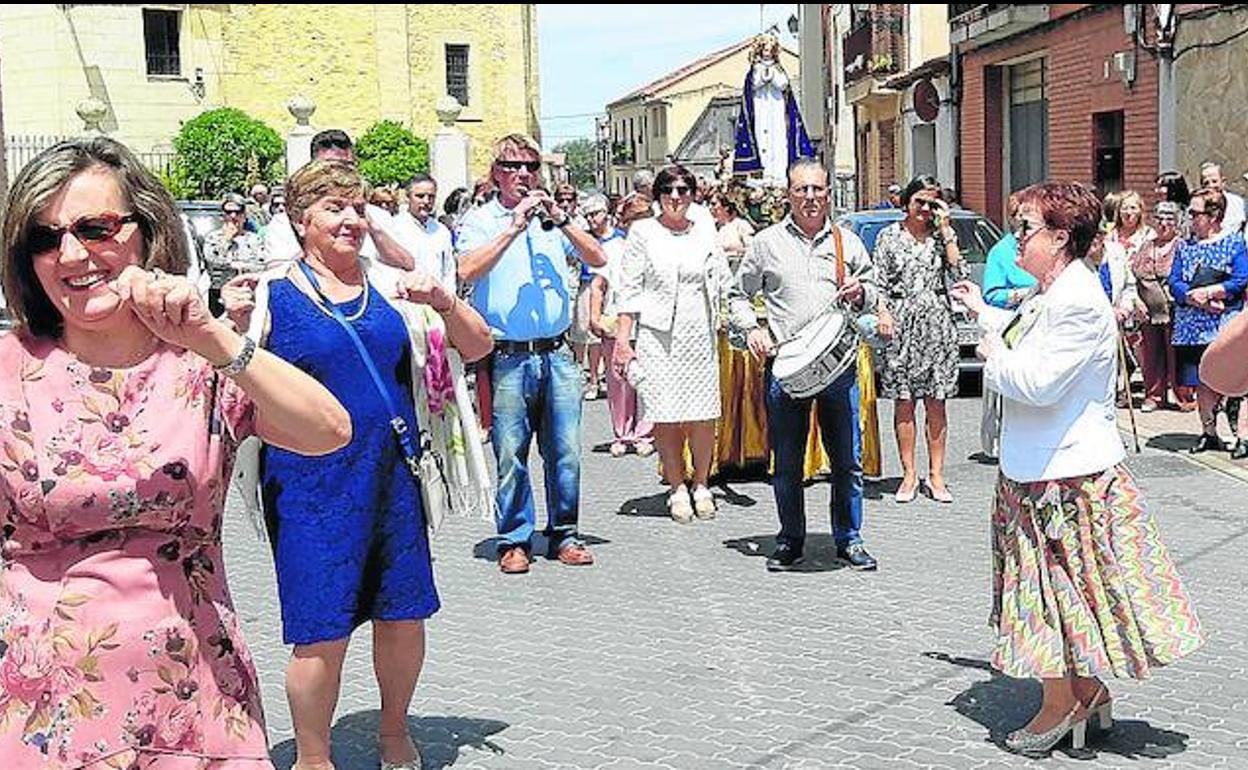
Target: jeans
<point>537,392</point>
<point>788,425</point>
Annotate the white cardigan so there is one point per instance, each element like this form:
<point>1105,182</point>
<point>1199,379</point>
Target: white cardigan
<point>649,281</point>
<point>1058,381</point>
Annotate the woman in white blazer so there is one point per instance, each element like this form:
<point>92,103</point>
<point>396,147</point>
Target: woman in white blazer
<point>674,278</point>
<point>1083,585</point>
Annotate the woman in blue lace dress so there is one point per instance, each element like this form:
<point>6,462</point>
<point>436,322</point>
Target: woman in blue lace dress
<point>1207,279</point>
<point>347,529</point>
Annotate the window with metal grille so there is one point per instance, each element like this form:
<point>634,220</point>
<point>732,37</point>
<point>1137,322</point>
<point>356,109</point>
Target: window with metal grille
<point>457,72</point>
<point>160,36</point>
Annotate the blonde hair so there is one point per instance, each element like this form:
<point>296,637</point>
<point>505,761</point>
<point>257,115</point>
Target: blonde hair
<point>517,143</point>
<point>316,180</point>
<point>1125,197</point>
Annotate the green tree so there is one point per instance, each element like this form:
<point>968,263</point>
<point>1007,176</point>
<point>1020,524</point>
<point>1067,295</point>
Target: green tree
<point>579,158</point>
<point>388,153</point>
<point>224,150</point>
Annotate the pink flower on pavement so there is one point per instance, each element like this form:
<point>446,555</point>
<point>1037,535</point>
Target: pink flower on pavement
<point>438,380</point>
<point>28,668</point>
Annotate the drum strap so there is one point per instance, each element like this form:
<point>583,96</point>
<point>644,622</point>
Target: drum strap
<point>839,246</point>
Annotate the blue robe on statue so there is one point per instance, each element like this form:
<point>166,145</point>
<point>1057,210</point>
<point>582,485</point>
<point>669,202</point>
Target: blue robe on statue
<point>745,153</point>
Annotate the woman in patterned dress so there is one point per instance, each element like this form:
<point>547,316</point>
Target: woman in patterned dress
<point>122,401</point>
<point>673,280</point>
<point>1207,279</point>
<point>913,259</point>
<point>1083,586</point>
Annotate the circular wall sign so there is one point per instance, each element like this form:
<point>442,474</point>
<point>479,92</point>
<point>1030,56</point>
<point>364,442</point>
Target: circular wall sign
<point>926,101</point>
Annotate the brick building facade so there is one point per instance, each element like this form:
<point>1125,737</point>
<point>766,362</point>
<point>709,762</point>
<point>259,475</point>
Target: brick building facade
<point>1072,98</point>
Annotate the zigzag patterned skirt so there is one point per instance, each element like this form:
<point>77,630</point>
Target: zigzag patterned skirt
<point>1082,583</point>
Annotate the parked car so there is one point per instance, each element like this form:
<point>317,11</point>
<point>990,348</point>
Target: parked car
<point>976,236</point>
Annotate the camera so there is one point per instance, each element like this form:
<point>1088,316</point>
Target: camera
<point>543,216</point>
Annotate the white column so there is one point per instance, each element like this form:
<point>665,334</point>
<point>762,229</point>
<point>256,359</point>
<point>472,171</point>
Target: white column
<point>299,139</point>
<point>449,150</point>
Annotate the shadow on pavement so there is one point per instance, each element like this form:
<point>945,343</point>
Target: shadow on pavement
<point>1172,442</point>
<point>354,740</point>
<point>649,506</point>
<point>1002,704</point>
<point>982,458</point>
<point>487,549</point>
<point>818,555</point>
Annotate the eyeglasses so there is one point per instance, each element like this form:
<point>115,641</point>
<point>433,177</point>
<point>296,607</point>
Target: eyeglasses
<point>565,199</point>
<point>676,189</point>
<point>532,166</point>
<point>1197,213</point>
<point>236,212</point>
<point>89,229</point>
<point>1025,228</point>
<point>809,189</point>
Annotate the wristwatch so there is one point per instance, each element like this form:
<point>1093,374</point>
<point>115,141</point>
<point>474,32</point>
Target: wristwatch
<point>240,361</point>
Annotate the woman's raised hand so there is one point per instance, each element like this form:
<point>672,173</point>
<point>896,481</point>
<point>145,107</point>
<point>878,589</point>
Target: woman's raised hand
<point>168,305</point>
<point>424,289</point>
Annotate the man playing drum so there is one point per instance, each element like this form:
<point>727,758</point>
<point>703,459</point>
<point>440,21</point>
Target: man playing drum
<point>795,265</point>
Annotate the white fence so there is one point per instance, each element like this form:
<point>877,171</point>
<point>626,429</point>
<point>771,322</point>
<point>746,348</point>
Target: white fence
<point>20,149</point>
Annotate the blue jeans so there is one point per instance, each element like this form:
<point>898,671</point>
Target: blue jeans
<point>537,392</point>
<point>788,421</point>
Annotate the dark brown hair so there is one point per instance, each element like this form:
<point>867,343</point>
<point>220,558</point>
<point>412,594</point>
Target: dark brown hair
<point>160,224</point>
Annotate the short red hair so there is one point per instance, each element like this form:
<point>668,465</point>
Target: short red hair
<point>1067,206</point>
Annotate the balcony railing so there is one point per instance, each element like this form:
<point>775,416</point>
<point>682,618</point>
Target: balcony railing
<point>975,24</point>
<point>873,47</point>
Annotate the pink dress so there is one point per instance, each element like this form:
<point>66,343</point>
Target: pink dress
<point>117,632</point>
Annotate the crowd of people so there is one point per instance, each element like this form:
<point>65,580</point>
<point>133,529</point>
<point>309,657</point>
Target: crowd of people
<point>338,337</point>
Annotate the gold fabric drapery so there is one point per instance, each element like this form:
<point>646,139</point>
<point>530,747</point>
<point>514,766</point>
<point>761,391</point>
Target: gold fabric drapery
<point>741,434</point>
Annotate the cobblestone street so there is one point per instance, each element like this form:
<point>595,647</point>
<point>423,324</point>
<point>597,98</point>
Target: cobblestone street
<point>677,650</point>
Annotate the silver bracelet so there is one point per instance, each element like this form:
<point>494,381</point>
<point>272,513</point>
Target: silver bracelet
<point>240,361</point>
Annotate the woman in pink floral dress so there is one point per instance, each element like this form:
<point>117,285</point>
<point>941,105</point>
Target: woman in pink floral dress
<point>121,401</point>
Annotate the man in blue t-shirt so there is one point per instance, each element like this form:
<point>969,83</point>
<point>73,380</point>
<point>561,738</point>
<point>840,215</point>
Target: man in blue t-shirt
<point>513,250</point>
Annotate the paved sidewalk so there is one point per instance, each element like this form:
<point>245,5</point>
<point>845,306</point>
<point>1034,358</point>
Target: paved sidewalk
<point>678,651</point>
<point>1174,431</point>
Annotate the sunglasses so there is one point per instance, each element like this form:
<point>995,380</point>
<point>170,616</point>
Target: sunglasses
<point>340,144</point>
<point>1197,213</point>
<point>90,229</point>
<point>676,189</point>
<point>565,198</point>
<point>532,166</point>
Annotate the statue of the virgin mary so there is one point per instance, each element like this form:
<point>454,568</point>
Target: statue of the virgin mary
<point>770,134</point>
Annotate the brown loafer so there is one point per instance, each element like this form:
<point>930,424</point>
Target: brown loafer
<point>514,560</point>
<point>576,555</point>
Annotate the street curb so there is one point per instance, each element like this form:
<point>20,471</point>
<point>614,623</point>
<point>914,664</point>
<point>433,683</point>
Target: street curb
<point>1215,461</point>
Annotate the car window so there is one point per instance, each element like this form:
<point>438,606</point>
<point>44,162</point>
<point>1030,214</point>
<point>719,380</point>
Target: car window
<point>869,231</point>
<point>975,238</point>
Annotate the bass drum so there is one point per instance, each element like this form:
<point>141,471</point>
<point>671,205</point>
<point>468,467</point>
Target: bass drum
<point>816,355</point>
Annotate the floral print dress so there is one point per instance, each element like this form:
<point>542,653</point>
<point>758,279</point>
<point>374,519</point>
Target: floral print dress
<point>119,646</point>
<point>921,360</point>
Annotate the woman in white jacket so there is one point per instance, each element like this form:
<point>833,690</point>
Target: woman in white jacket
<point>1083,585</point>
<point>673,279</point>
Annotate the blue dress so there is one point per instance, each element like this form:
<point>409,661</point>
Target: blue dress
<point>347,529</point>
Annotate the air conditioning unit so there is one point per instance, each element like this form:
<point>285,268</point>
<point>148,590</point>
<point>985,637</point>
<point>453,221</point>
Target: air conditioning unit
<point>1124,65</point>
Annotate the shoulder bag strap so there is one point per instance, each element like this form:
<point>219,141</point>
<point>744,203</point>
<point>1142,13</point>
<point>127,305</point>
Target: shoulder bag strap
<point>397,423</point>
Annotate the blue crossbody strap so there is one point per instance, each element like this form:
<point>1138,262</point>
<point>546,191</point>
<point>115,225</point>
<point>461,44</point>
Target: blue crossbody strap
<point>397,424</point>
